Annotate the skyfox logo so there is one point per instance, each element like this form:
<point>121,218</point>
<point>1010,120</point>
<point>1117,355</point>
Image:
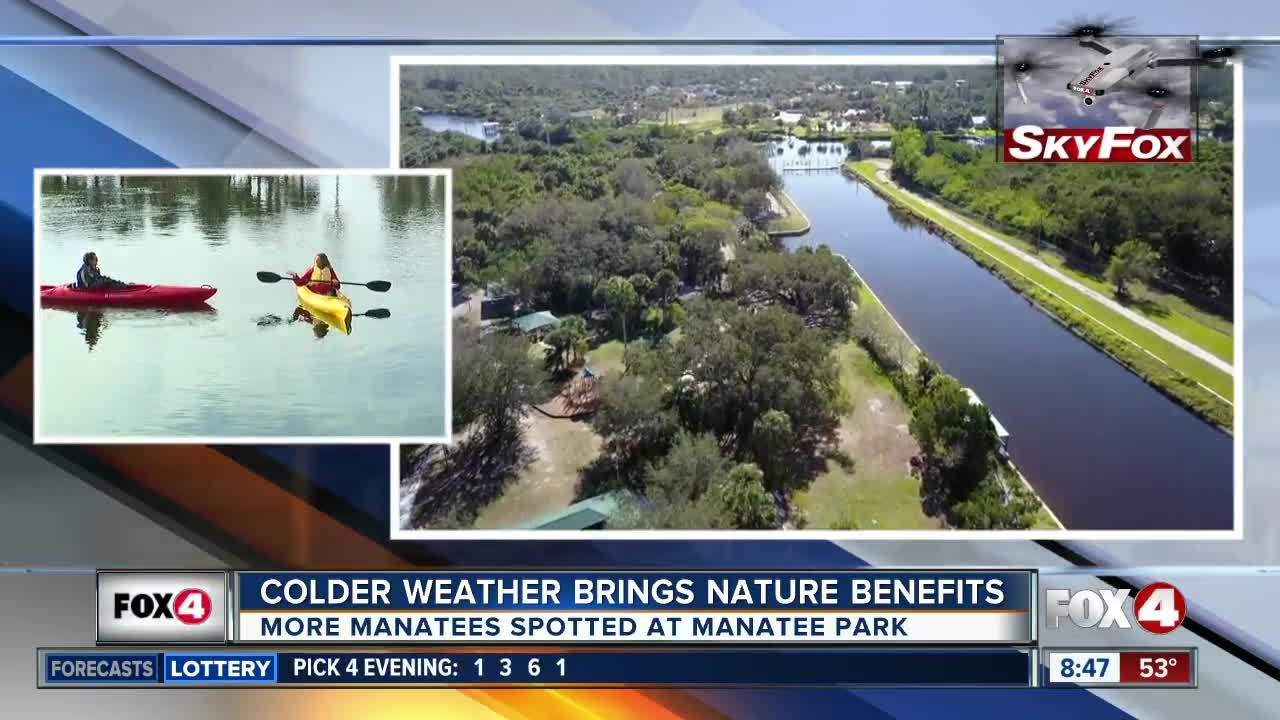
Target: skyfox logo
<point>1030,143</point>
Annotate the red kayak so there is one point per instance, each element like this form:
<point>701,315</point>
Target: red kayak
<point>131,296</point>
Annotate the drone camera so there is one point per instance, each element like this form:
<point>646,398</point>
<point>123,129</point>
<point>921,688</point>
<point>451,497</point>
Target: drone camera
<point>1088,101</point>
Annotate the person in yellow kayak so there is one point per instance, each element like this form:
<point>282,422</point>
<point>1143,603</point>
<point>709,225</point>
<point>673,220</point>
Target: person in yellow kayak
<point>89,277</point>
<point>321,278</point>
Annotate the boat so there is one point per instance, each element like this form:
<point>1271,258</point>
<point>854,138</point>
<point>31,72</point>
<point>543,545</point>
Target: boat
<point>334,310</point>
<point>154,296</point>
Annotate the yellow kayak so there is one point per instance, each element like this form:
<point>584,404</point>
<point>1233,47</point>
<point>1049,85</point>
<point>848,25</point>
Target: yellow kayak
<point>334,310</point>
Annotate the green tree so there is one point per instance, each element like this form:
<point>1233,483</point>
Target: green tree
<point>741,499</point>
<point>956,436</point>
<point>738,364</point>
<point>666,286</point>
<point>620,298</point>
<point>1132,261</point>
<point>568,342</point>
<point>633,416</point>
<point>772,441</point>
<point>494,380</point>
<point>632,177</point>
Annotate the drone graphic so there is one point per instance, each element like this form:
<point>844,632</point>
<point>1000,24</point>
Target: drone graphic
<point>1125,68</point>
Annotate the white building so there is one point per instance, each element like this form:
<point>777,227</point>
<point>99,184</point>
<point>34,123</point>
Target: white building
<point>979,120</point>
<point>854,112</point>
<point>789,117</point>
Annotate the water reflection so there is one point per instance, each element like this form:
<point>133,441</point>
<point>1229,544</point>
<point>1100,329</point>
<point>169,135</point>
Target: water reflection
<point>92,323</point>
<point>795,155</point>
<point>124,207</point>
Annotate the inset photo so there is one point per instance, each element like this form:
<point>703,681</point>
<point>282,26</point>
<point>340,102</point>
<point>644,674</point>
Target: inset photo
<point>242,306</point>
<point>798,296</point>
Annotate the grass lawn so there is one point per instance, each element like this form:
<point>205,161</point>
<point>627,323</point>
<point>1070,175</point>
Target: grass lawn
<point>560,449</point>
<point>1026,277</point>
<point>606,359</point>
<point>695,118</point>
<point>876,491</point>
<point>794,222</point>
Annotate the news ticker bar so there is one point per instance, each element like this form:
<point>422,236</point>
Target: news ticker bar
<point>1112,667</point>
<point>898,607</point>
<point>596,667</point>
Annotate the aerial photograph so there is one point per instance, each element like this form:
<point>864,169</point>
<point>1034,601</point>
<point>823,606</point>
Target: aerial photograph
<point>225,307</point>
<point>781,297</point>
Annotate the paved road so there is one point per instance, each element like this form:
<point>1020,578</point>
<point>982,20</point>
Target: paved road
<point>1170,336</point>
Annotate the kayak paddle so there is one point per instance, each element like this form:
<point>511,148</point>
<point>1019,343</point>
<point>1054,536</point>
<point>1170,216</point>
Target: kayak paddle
<point>376,313</point>
<point>375,285</point>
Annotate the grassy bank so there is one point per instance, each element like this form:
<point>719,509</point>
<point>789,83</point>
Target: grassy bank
<point>795,222</point>
<point>871,306</point>
<point>1183,377</point>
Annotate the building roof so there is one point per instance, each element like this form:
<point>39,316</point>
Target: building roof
<point>536,321</point>
<point>582,515</point>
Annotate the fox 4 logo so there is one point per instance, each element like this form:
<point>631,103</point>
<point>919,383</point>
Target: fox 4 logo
<point>191,606</point>
<point>1158,608</point>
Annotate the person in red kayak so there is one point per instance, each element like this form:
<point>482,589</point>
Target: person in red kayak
<point>321,279</point>
<point>90,277</point>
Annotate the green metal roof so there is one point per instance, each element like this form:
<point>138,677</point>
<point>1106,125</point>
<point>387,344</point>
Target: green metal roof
<point>581,515</point>
<point>535,321</point>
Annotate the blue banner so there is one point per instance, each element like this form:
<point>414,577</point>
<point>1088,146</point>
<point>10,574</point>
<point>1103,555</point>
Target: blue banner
<point>634,591</point>
<point>861,667</point>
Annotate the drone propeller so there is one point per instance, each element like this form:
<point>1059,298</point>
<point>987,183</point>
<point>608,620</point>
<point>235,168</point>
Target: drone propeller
<point>1087,31</point>
<point>1253,55</point>
<point>1084,28</point>
<point>1154,89</point>
<point>1019,65</point>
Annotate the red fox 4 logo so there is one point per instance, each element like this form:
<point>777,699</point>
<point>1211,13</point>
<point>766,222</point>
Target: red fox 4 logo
<point>191,606</point>
<point>1158,608</point>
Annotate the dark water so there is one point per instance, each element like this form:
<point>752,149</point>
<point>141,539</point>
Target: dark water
<point>1104,449</point>
<point>241,368</point>
<point>473,127</point>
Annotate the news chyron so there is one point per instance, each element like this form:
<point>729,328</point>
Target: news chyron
<point>138,608</point>
<point>1099,98</point>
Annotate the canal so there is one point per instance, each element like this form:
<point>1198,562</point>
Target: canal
<point>1104,449</point>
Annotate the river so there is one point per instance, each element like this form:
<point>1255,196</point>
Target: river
<point>241,368</point>
<point>1104,449</point>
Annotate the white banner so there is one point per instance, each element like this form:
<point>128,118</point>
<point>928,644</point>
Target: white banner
<point>623,627</point>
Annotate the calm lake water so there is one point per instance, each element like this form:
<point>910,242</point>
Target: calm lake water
<point>473,127</point>
<point>1104,449</point>
<point>241,368</point>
